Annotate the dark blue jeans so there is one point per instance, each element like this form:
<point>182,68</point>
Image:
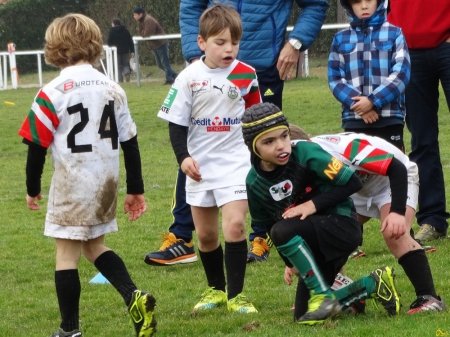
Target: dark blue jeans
<point>163,62</point>
<point>183,224</point>
<point>428,68</point>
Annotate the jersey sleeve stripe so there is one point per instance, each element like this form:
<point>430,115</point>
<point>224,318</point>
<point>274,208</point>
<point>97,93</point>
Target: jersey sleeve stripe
<point>25,132</point>
<point>40,114</point>
<point>242,76</point>
<point>46,106</point>
<point>254,88</point>
<point>42,99</point>
<point>377,163</point>
<point>36,132</point>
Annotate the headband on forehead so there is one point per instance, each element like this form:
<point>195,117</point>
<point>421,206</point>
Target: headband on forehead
<point>263,133</point>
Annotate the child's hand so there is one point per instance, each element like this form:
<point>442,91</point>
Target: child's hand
<point>134,205</point>
<point>370,117</point>
<point>31,202</point>
<point>362,105</point>
<point>302,210</point>
<point>394,226</point>
<point>190,167</point>
<point>288,273</point>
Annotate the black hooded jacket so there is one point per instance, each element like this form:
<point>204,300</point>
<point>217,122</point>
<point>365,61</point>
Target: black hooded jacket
<point>120,37</point>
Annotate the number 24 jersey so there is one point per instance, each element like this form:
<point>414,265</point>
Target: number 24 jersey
<point>82,116</point>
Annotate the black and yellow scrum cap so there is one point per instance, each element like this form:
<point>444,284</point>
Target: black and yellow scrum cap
<point>260,119</point>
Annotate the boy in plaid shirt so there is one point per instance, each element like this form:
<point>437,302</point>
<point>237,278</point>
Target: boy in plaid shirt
<point>368,70</point>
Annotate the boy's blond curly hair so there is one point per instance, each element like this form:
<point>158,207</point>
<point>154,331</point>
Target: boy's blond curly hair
<point>71,39</point>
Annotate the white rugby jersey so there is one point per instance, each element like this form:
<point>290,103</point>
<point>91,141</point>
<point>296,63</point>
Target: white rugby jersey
<point>362,152</point>
<point>211,103</point>
<point>366,155</point>
<point>82,116</point>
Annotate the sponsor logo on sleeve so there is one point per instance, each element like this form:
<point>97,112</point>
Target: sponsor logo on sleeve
<point>169,100</point>
<point>333,168</point>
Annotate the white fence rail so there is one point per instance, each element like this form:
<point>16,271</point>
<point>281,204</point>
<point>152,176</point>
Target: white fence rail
<point>111,68</point>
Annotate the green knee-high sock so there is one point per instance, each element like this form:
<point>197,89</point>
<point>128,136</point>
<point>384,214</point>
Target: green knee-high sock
<point>297,251</point>
<point>356,291</point>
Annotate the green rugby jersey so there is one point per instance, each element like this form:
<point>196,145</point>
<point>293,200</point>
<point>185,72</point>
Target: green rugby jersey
<point>309,172</point>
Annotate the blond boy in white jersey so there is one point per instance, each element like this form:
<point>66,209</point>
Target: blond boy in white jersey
<point>83,116</point>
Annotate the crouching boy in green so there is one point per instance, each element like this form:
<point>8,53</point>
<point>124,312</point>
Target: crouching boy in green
<point>301,194</point>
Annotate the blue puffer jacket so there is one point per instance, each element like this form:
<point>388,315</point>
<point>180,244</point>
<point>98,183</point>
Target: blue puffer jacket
<point>264,24</point>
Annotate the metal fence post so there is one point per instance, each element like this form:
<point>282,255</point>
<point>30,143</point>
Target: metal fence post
<point>136,59</point>
<point>39,62</point>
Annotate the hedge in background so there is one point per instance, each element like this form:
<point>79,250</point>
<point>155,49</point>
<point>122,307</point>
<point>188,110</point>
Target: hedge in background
<point>24,22</point>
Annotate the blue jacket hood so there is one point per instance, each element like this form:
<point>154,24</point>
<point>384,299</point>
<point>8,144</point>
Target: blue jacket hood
<point>376,20</point>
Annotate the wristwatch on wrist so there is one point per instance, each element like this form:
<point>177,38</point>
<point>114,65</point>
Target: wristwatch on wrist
<point>295,43</point>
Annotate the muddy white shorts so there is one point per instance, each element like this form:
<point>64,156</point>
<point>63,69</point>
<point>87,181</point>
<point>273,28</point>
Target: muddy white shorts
<point>80,233</point>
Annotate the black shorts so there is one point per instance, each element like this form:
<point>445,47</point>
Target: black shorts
<point>329,237</point>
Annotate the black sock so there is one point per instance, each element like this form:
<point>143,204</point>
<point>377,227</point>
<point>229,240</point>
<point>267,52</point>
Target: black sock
<point>416,267</point>
<point>213,265</point>
<point>301,299</point>
<point>114,270</point>
<point>235,264</point>
<point>68,290</point>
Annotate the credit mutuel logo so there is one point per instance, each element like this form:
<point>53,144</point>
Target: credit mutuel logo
<point>216,124</point>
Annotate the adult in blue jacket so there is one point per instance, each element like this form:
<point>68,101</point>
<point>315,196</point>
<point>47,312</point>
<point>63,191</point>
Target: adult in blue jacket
<point>265,47</point>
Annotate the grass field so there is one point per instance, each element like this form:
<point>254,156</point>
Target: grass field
<point>28,304</point>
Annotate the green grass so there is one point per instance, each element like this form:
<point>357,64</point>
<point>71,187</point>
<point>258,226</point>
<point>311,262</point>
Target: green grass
<point>28,304</point>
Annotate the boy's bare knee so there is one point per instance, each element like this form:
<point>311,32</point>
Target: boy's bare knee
<point>234,231</point>
<point>92,250</point>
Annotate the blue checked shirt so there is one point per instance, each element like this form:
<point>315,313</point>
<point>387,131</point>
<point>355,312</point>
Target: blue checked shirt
<point>371,59</point>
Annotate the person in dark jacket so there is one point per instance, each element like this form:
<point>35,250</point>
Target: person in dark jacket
<point>148,27</point>
<point>120,37</point>
<point>429,46</point>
